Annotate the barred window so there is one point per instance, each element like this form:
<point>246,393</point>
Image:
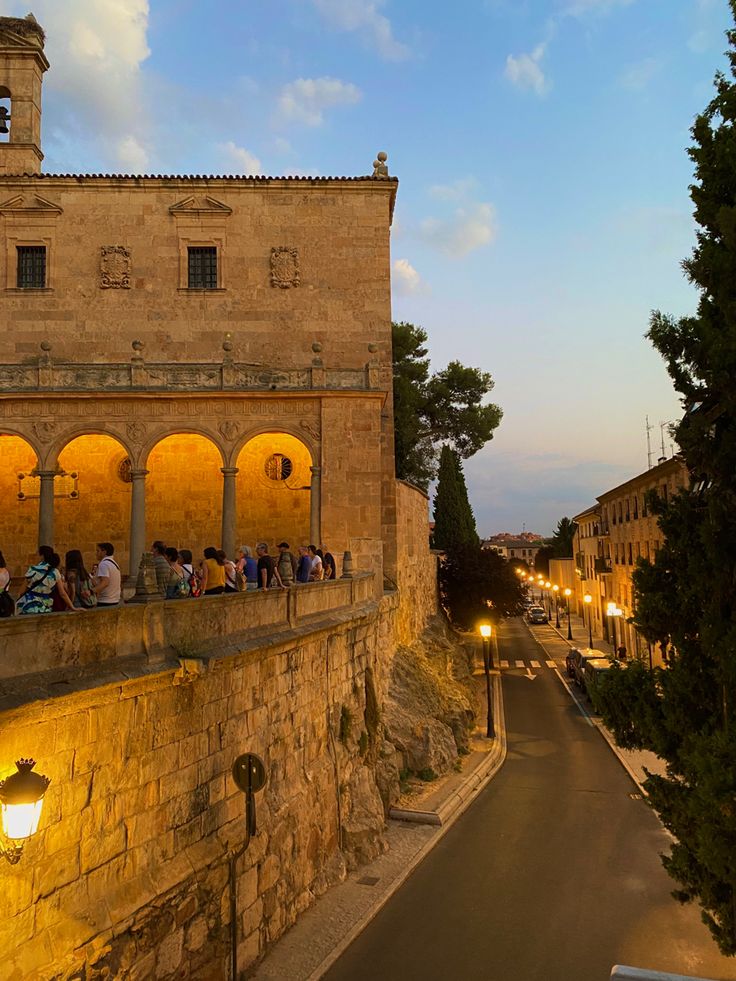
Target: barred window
<point>202,267</point>
<point>31,267</point>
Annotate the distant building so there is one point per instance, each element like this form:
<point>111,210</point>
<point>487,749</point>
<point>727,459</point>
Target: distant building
<point>521,549</point>
<point>611,536</point>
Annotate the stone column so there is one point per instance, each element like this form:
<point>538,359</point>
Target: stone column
<point>228,511</point>
<point>137,519</point>
<point>46,507</point>
<point>315,507</point>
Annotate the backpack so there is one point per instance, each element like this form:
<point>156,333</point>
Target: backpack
<point>195,584</point>
<point>7,603</point>
<point>183,588</point>
<point>239,580</point>
<point>87,597</point>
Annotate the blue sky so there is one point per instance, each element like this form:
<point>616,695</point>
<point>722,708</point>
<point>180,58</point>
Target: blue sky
<point>543,209</point>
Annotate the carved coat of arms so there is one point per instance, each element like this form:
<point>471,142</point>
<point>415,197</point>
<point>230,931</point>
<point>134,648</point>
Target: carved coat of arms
<point>284,267</point>
<point>114,267</point>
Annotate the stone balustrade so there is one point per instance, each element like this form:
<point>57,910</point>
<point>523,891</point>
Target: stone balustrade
<point>69,643</point>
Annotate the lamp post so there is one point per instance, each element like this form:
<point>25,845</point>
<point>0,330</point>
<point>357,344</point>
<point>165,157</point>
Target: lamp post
<point>21,802</point>
<point>568,594</point>
<point>556,590</point>
<point>588,599</point>
<point>613,611</point>
<point>547,588</point>
<point>485,633</point>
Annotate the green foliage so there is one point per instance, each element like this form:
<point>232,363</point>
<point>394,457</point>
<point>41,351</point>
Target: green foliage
<point>563,539</point>
<point>541,559</point>
<point>363,743</point>
<point>446,407</point>
<point>478,584</point>
<point>686,598</point>
<point>427,774</point>
<point>454,523</point>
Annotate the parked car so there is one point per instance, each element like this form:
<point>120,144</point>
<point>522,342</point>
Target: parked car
<point>596,668</point>
<point>537,614</point>
<point>578,658</point>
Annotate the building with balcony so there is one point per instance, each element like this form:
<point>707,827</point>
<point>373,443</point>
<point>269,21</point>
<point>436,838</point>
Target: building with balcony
<point>611,536</point>
<point>204,360</point>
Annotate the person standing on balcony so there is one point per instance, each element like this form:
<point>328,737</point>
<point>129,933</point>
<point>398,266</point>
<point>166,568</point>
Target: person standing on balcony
<point>286,564</point>
<point>161,566</point>
<point>41,578</point>
<point>317,572</point>
<point>304,568</point>
<point>108,585</point>
<point>268,574</point>
<point>213,573</point>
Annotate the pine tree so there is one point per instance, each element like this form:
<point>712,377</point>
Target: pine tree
<point>454,524</point>
<point>686,599</point>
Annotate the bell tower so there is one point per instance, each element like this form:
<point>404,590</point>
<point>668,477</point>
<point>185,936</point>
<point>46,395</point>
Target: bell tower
<point>22,64</point>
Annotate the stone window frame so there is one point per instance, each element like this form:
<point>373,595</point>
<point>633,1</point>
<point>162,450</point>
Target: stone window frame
<point>12,242</point>
<point>185,243</point>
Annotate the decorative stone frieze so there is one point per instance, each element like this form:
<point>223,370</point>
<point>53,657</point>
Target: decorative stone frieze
<point>114,267</point>
<point>284,267</point>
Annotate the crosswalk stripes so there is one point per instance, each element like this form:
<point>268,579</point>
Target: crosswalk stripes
<point>503,663</point>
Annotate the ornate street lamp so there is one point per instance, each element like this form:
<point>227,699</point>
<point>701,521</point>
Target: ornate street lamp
<point>21,803</point>
<point>568,594</point>
<point>485,630</point>
<point>556,590</point>
<point>613,611</point>
<point>588,599</point>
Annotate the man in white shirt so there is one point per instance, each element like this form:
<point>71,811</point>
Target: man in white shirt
<point>108,577</point>
<point>317,572</point>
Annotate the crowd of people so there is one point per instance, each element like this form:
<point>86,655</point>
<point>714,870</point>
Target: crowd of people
<point>51,586</point>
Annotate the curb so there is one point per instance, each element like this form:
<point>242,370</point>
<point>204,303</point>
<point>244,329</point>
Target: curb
<point>445,816</point>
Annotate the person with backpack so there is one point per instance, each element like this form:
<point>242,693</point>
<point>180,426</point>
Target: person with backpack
<point>177,585</point>
<point>78,581</point>
<point>41,578</point>
<point>247,566</point>
<point>108,585</point>
<point>193,579</point>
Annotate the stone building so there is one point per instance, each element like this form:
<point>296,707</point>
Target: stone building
<point>512,548</point>
<point>612,535</point>
<point>203,360</point>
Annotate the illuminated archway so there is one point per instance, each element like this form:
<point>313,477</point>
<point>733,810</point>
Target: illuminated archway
<point>184,493</point>
<point>18,515</point>
<point>273,491</point>
<point>92,497</point>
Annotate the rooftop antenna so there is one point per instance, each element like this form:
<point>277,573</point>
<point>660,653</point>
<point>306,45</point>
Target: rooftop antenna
<point>649,444</point>
<point>662,425</point>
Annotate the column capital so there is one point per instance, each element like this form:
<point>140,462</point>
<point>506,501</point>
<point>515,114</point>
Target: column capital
<point>316,471</point>
<point>46,474</point>
<point>229,471</point>
<point>139,474</point>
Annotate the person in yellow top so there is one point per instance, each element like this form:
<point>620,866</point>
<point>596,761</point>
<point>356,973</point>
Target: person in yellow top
<point>213,573</point>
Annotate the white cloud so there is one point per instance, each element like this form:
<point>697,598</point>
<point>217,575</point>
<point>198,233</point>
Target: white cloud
<point>640,74</point>
<point>363,16</point>
<point>525,71</point>
<point>305,99</point>
<point>454,191</point>
<point>468,228</point>
<point>405,278</point>
<point>238,160</point>
<point>96,49</point>
<point>131,155</point>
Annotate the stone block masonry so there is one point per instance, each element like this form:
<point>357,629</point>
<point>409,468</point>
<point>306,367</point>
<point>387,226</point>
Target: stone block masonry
<point>129,870</point>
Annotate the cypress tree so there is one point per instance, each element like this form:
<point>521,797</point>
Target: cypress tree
<point>686,599</point>
<point>453,516</point>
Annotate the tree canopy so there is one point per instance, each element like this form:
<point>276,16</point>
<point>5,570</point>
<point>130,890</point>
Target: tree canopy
<point>433,409</point>
<point>686,598</point>
<point>454,522</point>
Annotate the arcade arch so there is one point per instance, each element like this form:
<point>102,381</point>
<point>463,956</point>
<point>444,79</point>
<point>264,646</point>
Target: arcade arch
<point>184,493</point>
<point>19,515</point>
<point>92,496</point>
<point>273,488</point>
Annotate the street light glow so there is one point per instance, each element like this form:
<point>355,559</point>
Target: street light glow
<point>485,630</point>
<point>587,598</point>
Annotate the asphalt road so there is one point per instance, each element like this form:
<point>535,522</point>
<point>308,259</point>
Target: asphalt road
<point>553,874</point>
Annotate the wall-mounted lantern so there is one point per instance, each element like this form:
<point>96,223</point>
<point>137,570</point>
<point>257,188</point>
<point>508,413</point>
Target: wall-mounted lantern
<point>249,775</point>
<point>21,802</point>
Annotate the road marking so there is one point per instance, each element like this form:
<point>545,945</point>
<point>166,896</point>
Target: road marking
<point>535,664</point>
<point>530,674</point>
<point>503,664</point>
<point>583,710</point>
<point>551,664</point>
<point>520,664</point>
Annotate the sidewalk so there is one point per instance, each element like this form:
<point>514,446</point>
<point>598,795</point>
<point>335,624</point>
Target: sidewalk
<point>635,762</point>
<point>328,927</point>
